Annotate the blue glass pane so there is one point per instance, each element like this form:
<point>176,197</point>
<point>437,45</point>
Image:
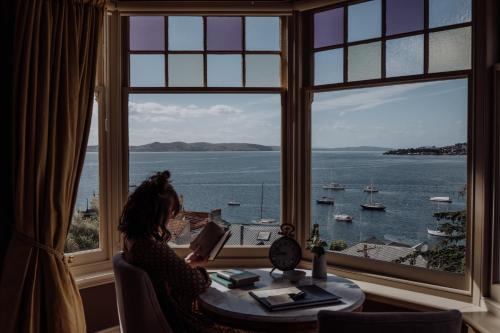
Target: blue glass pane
<point>364,21</point>
<point>262,33</point>
<point>405,56</point>
<point>147,70</point>
<point>224,70</point>
<point>185,33</point>
<point>329,66</point>
<point>447,12</point>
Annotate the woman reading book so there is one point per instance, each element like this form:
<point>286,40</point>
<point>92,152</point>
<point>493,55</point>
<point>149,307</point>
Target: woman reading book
<point>177,281</point>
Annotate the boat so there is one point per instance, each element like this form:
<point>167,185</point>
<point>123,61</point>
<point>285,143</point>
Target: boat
<point>343,218</point>
<point>325,201</point>
<point>233,203</point>
<point>263,220</point>
<point>371,205</point>
<point>334,186</point>
<point>440,199</point>
<point>437,233</point>
<point>370,188</point>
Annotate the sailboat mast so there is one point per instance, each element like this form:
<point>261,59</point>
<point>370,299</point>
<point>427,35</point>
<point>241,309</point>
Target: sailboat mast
<point>261,199</point>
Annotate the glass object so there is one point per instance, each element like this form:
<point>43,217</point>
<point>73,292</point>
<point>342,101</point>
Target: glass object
<point>364,20</point>
<point>262,33</point>
<point>224,70</point>
<point>262,70</point>
<point>450,50</point>
<point>329,27</point>
<point>447,12</point>
<point>329,66</point>
<point>147,33</point>
<point>185,33</point>
<point>405,56</point>
<point>224,33</point>
<point>364,62</point>
<point>185,70</point>
<point>402,116</point>
<point>404,16</point>
<point>147,70</point>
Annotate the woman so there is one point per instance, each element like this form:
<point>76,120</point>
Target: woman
<point>177,281</point>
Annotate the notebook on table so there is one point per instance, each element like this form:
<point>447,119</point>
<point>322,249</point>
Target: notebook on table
<point>210,240</point>
<point>285,298</point>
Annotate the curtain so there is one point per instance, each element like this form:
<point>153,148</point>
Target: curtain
<point>54,67</point>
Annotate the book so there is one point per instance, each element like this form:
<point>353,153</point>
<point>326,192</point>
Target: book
<point>210,240</point>
<point>285,298</point>
<point>238,277</point>
<point>221,281</point>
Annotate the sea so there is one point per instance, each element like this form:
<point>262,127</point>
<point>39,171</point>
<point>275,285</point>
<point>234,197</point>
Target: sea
<point>209,180</point>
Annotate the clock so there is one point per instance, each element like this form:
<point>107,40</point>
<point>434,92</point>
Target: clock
<point>285,253</point>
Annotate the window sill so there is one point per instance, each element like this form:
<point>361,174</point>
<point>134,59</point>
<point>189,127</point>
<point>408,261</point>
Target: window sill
<point>95,279</point>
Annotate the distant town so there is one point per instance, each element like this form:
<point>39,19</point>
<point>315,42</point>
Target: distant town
<point>456,149</point>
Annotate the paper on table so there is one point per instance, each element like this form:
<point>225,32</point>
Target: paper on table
<point>276,292</point>
<point>279,299</point>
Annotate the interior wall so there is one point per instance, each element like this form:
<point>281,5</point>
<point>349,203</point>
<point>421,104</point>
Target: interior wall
<point>99,304</point>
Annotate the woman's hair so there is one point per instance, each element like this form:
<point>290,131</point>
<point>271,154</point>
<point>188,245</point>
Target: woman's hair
<point>147,209</point>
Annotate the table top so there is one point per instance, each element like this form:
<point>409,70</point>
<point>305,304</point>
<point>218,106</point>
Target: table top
<point>237,304</point>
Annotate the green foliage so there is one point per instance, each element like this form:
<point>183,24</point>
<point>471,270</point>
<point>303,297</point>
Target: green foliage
<point>84,230</point>
<point>315,243</point>
<point>338,245</point>
<point>449,255</point>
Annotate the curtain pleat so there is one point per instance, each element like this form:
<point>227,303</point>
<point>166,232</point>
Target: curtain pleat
<point>54,68</point>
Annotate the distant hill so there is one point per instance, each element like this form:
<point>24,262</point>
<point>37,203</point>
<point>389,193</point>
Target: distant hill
<point>357,148</point>
<point>196,146</point>
<point>456,149</point>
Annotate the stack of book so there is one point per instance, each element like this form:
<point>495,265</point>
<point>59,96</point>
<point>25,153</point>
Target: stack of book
<point>234,278</point>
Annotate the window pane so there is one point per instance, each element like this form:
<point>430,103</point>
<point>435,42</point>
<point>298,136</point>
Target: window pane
<point>84,230</point>
<point>364,62</point>
<point>147,70</point>
<point>404,16</point>
<point>262,33</point>
<point>262,70</point>
<point>362,140</point>
<point>147,33</point>
<point>185,70</point>
<point>329,27</point>
<point>450,50</point>
<point>224,70</point>
<point>224,34</point>
<point>447,12</point>
<point>329,66</point>
<point>405,56</point>
<point>185,33</point>
<point>364,20</point>
<point>217,162</point>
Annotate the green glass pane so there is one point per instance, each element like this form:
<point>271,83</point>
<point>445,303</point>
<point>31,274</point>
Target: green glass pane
<point>329,67</point>
<point>364,62</point>
<point>262,70</point>
<point>450,50</point>
<point>185,70</point>
<point>224,70</point>
<point>147,70</point>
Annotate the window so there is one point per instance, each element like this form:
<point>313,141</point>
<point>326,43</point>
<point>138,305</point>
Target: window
<point>223,149</point>
<point>389,131</point>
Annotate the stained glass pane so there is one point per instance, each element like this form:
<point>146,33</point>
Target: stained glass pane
<point>450,50</point>
<point>364,20</point>
<point>147,70</point>
<point>329,27</point>
<point>147,33</point>
<point>364,62</point>
<point>404,16</point>
<point>447,12</point>
<point>224,70</point>
<point>405,56</point>
<point>329,66</point>
<point>262,70</point>
<point>185,33</point>
<point>185,70</point>
<point>224,33</point>
<point>262,33</point>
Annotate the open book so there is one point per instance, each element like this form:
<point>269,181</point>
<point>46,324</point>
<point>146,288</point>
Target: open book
<point>210,240</point>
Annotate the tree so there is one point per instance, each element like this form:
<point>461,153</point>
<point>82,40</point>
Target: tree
<point>449,254</point>
<point>338,245</point>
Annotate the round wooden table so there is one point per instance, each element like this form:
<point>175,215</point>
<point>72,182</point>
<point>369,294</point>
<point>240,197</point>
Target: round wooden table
<point>235,307</point>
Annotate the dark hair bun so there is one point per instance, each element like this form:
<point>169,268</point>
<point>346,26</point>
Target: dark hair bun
<point>161,179</point>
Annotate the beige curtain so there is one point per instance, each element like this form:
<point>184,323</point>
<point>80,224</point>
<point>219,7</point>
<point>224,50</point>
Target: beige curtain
<point>54,68</point>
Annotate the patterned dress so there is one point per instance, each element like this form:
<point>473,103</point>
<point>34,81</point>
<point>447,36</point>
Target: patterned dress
<point>177,286</point>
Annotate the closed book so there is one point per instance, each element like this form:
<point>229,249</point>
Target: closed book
<point>238,277</point>
<point>221,281</point>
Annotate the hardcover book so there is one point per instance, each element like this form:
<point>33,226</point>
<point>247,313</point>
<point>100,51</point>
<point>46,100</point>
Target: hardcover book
<point>210,240</point>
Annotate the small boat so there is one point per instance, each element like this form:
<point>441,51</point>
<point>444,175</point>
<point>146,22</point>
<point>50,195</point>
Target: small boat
<point>233,203</point>
<point>343,218</point>
<point>440,199</point>
<point>325,201</point>
<point>371,205</point>
<point>265,221</point>
<point>334,187</point>
<point>437,233</point>
<point>370,188</point>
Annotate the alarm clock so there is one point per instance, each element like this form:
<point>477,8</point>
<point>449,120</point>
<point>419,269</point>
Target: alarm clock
<point>285,253</point>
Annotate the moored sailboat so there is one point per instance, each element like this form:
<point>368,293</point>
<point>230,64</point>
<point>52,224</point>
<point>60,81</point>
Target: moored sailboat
<point>371,205</point>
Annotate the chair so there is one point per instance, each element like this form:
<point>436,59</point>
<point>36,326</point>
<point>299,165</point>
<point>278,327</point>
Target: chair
<point>138,307</point>
<point>389,322</point>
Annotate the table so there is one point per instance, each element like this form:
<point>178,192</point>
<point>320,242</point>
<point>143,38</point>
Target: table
<point>235,307</point>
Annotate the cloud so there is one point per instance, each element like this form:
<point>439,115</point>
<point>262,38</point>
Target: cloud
<point>155,112</point>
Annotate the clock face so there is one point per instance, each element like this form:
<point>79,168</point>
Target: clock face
<point>285,253</point>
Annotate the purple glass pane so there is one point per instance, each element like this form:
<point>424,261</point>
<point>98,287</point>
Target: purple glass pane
<point>224,34</point>
<point>147,33</point>
<point>404,16</point>
<point>329,27</point>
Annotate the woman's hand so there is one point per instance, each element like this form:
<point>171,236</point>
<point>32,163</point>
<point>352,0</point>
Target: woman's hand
<point>195,260</point>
